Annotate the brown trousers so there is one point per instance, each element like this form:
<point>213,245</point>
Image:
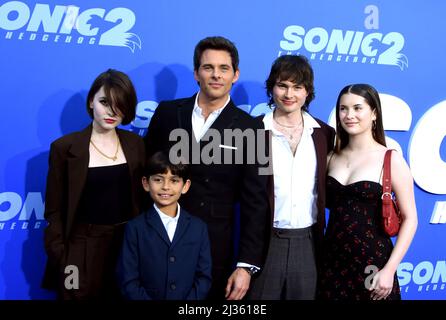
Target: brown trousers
<point>93,250</point>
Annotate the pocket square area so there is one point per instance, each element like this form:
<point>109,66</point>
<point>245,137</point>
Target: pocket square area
<point>227,147</point>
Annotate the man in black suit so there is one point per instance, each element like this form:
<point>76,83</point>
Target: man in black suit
<point>223,172</point>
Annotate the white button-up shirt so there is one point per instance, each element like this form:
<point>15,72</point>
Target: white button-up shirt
<point>200,125</point>
<point>169,223</point>
<point>295,192</point>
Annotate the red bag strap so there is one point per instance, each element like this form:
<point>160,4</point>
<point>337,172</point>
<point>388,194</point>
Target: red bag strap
<point>387,177</point>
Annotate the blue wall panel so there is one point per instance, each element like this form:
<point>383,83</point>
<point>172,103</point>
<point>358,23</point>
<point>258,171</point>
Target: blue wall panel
<point>51,51</point>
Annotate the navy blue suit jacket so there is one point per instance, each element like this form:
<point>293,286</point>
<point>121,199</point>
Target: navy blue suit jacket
<point>152,267</point>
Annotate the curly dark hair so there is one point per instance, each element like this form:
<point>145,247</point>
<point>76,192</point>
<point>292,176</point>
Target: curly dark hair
<point>292,68</point>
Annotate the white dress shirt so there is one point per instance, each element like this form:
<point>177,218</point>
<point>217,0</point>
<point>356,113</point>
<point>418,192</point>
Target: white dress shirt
<point>200,125</point>
<point>295,192</point>
<point>169,223</point>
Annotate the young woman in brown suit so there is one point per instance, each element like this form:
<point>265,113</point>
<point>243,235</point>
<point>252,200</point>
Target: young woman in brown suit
<point>93,188</point>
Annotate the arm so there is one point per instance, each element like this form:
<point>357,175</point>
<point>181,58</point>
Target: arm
<point>254,213</point>
<point>402,185</point>
<point>254,226</point>
<point>203,274</point>
<point>54,205</point>
<point>128,267</point>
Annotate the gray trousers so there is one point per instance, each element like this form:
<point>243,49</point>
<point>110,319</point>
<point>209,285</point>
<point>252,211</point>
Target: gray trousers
<point>289,272</point>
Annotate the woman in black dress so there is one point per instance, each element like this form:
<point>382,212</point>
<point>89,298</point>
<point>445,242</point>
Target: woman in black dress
<point>93,188</point>
<point>359,261</point>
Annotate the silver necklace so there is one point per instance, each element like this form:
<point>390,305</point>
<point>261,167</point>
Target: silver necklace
<point>289,127</point>
<point>294,128</point>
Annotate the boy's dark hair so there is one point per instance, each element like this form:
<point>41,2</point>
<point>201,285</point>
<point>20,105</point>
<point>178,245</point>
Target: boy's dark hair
<point>292,68</point>
<point>216,43</point>
<point>159,163</point>
<point>120,93</point>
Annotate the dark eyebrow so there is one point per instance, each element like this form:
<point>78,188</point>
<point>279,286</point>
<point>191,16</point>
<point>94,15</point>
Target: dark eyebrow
<point>219,65</point>
<point>294,84</point>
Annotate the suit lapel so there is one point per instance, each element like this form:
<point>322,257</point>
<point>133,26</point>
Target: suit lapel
<point>128,149</point>
<point>227,118</point>
<point>182,225</point>
<point>155,222</point>
<point>270,178</point>
<point>270,181</point>
<point>131,153</point>
<point>184,115</point>
<point>321,152</point>
<point>77,162</point>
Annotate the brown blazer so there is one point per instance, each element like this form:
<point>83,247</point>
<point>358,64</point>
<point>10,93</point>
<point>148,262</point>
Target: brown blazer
<point>68,167</point>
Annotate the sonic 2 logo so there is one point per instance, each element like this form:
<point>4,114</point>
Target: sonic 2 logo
<point>30,211</point>
<point>345,46</point>
<point>427,275</point>
<point>58,24</point>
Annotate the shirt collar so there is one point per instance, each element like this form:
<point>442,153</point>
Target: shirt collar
<point>198,110</point>
<point>164,217</point>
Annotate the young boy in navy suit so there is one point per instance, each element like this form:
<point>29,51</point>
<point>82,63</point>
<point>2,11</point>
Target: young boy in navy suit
<point>166,252</point>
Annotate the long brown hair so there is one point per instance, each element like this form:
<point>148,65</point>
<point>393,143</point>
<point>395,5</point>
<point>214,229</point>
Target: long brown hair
<point>372,97</point>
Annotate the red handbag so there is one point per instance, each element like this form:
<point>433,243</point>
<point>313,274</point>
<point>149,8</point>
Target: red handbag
<point>390,212</point>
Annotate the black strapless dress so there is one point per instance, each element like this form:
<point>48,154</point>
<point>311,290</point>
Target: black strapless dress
<point>353,240</point>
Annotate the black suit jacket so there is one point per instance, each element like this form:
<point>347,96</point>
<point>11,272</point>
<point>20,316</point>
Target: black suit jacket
<point>216,189</point>
<point>67,173</point>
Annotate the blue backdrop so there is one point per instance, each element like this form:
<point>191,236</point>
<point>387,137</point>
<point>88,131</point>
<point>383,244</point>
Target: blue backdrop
<point>52,50</point>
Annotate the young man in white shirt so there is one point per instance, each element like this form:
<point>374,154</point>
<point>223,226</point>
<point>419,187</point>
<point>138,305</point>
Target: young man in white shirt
<point>299,146</point>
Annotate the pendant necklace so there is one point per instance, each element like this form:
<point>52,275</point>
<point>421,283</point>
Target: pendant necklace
<point>115,157</point>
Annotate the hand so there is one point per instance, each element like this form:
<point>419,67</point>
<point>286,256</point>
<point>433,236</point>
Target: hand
<point>382,284</point>
<point>238,284</point>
